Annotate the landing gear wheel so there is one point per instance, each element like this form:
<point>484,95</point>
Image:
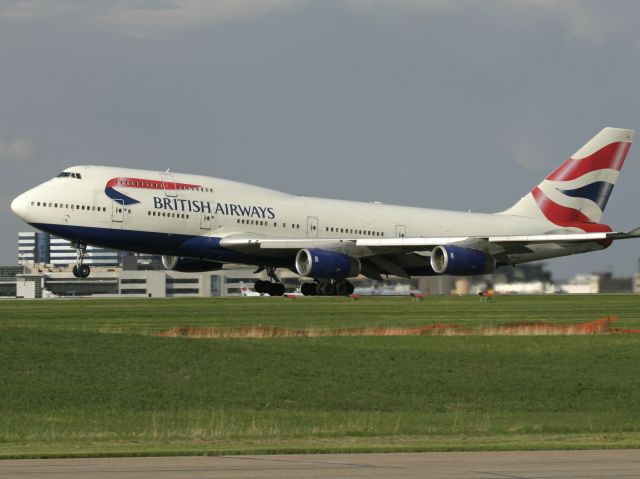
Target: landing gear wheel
<point>84,271</point>
<point>276,289</point>
<point>261,287</point>
<point>342,288</point>
<point>350,288</point>
<point>327,289</point>
<point>309,289</point>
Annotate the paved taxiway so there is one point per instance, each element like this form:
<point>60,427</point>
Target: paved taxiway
<point>467,465</point>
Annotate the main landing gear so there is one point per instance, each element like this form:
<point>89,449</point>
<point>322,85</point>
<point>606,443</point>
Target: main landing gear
<point>327,288</point>
<point>81,270</point>
<point>273,287</point>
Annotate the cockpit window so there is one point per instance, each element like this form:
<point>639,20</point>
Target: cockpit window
<point>68,174</point>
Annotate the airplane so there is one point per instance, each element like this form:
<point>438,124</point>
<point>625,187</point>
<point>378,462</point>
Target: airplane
<point>199,223</point>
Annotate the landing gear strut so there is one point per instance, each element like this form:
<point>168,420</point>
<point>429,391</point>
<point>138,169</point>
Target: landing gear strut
<point>273,287</point>
<point>327,288</point>
<point>81,270</point>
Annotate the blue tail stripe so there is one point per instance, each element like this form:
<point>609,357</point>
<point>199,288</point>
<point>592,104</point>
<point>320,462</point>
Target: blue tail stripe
<point>598,192</point>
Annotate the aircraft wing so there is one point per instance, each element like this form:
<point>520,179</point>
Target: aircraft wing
<point>397,255</point>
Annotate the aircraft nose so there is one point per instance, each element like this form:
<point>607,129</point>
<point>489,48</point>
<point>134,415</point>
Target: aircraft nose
<point>20,205</point>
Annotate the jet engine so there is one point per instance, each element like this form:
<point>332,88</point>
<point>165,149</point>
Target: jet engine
<point>189,265</point>
<point>319,263</point>
<point>460,261</point>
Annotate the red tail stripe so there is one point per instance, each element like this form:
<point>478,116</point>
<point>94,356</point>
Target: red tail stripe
<point>564,216</point>
<point>149,184</point>
<point>611,156</point>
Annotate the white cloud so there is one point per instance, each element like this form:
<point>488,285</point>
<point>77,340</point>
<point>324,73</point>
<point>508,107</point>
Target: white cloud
<point>19,150</point>
<point>592,22</point>
<point>144,17</point>
<point>25,9</point>
<point>139,18</point>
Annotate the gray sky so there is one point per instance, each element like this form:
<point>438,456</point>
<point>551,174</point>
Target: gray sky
<point>445,104</point>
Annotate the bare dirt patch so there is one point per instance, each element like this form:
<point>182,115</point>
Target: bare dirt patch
<point>599,326</point>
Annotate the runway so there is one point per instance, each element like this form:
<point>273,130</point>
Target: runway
<point>467,465</point>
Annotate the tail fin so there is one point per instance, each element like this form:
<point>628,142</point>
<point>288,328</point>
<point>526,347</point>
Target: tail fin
<point>576,193</point>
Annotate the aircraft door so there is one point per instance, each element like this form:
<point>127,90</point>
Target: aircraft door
<point>401,231</point>
<point>169,184</point>
<point>117,213</point>
<point>312,227</point>
<point>205,220</point>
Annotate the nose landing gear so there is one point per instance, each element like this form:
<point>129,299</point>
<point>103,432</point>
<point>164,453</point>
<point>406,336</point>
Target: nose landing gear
<point>81,270</point>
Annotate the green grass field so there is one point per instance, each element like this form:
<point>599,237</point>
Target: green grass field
<point>90,377</point>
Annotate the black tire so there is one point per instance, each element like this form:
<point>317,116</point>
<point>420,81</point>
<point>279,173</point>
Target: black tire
<point>350,288</point>
<point>276,289</point>
<point>75,271</point>
<point>328,289</point>
<point>84,271</point>
<point>308,289</point>
<point>260,286</point>
<point>341,288</point>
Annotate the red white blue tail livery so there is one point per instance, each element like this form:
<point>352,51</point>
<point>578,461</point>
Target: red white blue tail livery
<point>576,193</point>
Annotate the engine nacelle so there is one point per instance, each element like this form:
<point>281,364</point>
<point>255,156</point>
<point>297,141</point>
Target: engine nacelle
<point>189,265</point>
<point>457,260</point>
<point>320,263</point>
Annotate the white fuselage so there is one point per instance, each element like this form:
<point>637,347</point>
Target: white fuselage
<point>181,214</point>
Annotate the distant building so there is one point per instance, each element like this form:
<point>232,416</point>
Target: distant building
<point>8,280</point>
<point>607,283</point>
<point>581,284</point>
<point>33,247</point>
